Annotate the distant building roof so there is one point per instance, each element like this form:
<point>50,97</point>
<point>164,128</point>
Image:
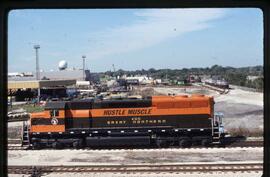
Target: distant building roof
<point>55,75</point>
<point>34,84</point>
<point>63,74</point>
<point>252,78</point>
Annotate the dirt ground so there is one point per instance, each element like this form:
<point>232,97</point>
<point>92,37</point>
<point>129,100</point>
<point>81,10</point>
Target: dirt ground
<point>242,110</point>
<point>134,156</point>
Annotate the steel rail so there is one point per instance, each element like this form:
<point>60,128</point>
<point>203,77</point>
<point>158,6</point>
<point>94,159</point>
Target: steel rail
<point>205,168</point>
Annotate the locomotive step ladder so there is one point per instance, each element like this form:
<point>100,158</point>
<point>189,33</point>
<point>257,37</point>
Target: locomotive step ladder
<point>216,135</point>
<point>25,134</point>
<point>216,124</point>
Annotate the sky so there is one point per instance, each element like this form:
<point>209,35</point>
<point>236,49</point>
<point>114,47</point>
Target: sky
<point>134,39</point>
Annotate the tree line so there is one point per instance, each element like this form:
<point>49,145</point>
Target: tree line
<point>235,76</point>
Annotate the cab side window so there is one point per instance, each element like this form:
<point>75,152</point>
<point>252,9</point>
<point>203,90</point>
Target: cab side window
<point>54,113</point>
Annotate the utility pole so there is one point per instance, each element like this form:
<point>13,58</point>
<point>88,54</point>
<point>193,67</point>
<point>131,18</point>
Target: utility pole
<point>83,66</point>
<point>36,47</point>
<point>114,74</point>
<point>113,67</point>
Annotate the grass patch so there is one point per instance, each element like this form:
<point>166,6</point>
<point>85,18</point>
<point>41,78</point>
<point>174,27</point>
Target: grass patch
<point>27,107</point>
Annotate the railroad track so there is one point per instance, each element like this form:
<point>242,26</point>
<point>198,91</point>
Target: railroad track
<point>14,141</point>
<point>186,168</point>
<point>219,90</point>
<point>173,87</point>
<point>243,144</point>
<point>199,86</point>
<point>16,147</point>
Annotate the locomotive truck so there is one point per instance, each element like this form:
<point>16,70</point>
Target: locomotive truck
<point>158,120</point>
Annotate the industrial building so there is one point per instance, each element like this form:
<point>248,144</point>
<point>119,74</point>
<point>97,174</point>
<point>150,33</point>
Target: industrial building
<point>27,90</point>
<point>54,75</point>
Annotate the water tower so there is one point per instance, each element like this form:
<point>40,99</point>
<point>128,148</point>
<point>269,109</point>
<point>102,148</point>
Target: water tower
<point>62,65</point>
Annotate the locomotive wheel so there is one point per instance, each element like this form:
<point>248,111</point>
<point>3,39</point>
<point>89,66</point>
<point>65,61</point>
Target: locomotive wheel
<point>161,143</point>
<point>206,142</point>
<point>222,143</point>
<point>56,145</point>
<point>185,143</point>
<point>77,144</point>
<point>36,145</point>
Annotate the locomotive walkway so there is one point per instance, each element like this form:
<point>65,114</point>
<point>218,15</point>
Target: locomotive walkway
<point>175,168</point>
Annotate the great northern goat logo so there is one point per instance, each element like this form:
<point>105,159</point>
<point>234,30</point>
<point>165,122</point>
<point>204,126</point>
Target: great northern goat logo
<point>54,121</point>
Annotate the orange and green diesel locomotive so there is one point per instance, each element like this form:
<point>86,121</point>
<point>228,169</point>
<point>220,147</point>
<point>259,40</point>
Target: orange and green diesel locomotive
<point>157,120</point>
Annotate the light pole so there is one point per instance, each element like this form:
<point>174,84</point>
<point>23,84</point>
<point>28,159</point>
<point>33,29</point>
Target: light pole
<point>36,47</point>
<point>83,66</point>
